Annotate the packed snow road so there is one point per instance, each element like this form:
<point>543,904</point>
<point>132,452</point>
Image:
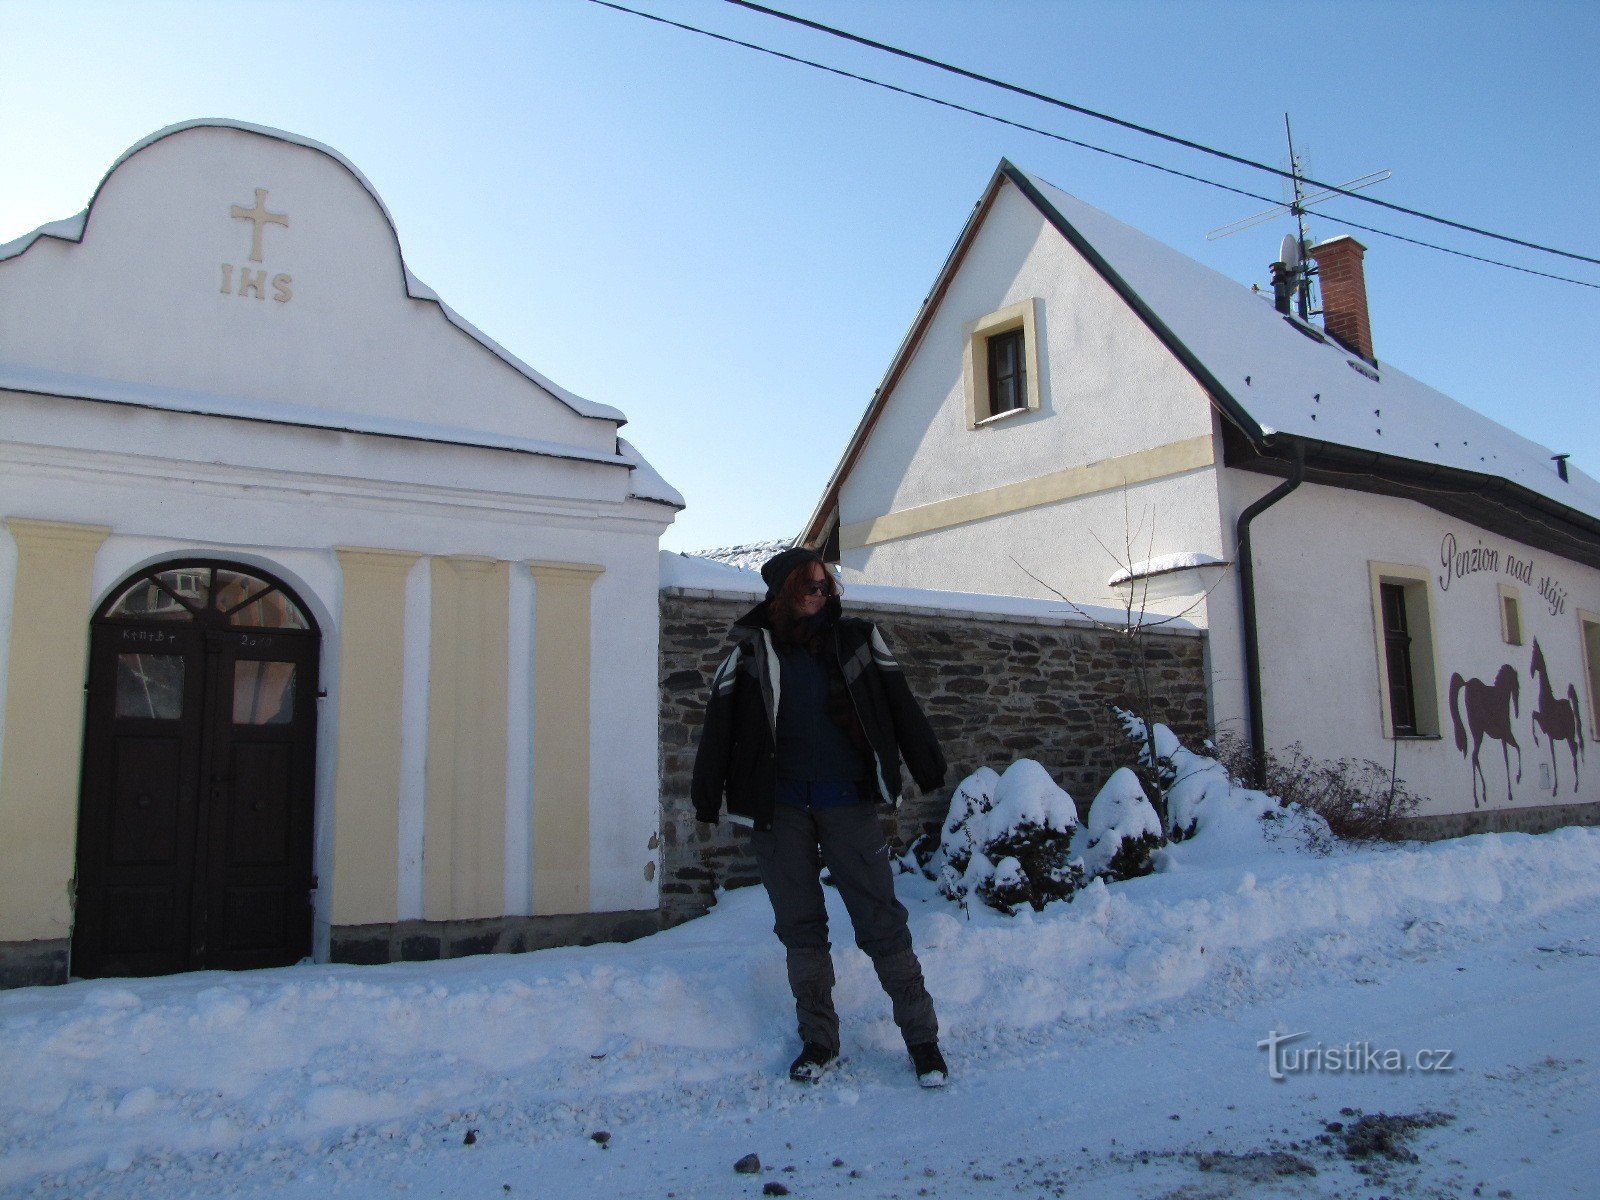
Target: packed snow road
<point>1107,1047</point>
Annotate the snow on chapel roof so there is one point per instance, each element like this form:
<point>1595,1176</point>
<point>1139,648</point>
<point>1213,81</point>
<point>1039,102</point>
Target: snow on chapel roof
<point>646,483</point>
<point>72,229</point>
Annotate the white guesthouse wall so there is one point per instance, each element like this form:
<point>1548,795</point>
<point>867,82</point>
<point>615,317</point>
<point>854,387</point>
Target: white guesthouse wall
<point>1108,390</point>
<point>1321,676</point>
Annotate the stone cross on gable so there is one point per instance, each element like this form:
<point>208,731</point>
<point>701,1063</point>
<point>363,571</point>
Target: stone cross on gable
<point>262,219</point>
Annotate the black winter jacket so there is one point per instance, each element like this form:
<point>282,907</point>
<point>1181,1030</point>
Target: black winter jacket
<point>737,754</point>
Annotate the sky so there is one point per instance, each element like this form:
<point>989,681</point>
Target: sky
<point>729,247</point>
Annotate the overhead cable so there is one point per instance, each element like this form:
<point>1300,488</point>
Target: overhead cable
<point>988,116</point>
<point>1147,130</point>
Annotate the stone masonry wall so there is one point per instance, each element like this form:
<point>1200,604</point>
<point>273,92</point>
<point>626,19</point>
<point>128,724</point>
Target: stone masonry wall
<point>995,688</point>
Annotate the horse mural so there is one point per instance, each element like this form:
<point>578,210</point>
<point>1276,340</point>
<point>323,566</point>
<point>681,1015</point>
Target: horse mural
<point>1490,708</point>
<point>1560,719</point>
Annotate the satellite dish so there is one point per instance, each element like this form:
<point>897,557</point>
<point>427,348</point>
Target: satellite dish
<point>1289,252</point>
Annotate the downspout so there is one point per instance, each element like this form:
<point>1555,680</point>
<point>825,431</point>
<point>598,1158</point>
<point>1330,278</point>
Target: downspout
<point>1247,601</point>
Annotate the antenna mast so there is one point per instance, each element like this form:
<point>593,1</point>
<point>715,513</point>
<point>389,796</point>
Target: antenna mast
<point>1298,208</point>
<point>1292,274</point>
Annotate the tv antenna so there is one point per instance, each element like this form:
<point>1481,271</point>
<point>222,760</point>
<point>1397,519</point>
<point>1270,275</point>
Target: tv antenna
<point>1292,273</point>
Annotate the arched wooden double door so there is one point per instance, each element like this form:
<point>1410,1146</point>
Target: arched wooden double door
<point>195,826</point>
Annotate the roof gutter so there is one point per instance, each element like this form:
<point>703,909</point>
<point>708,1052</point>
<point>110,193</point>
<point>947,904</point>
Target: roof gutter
<point>1247,603</point>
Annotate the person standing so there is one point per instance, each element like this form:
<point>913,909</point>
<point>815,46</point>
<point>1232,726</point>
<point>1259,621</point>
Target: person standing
<point>808,720</point>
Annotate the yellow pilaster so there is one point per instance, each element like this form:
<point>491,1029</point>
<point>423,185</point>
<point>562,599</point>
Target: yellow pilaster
<point>366,804</point>
<point>561,736</point>
<point>464,839</point>
<point>41,757</point>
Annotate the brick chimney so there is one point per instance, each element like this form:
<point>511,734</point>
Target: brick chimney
<point>1344,292</point>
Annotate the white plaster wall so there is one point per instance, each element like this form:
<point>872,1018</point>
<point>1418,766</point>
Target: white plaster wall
<point>1107,385</point>
<point>1320,666</point>
<point>141,297</point>
<point>624,791</point>
<point>1056,542</point>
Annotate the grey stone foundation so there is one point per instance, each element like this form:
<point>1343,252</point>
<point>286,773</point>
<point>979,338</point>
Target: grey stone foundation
<point>27,964</point>
<point>995,688</point>
<point>421,941</point>
<point>1539,818</point>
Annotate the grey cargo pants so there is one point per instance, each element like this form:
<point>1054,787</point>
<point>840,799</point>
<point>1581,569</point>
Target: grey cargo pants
<point>849,840</point>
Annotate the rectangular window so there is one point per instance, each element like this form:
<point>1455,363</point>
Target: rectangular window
<point>1407,675</point>
<point>1000,364</point>
<point>1008,379</point>
<point>1397,655</point>
<point>1590,624</point>
<point>1510,615</point>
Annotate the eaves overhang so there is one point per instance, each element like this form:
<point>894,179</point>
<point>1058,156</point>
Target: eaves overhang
<point>1490,502</point>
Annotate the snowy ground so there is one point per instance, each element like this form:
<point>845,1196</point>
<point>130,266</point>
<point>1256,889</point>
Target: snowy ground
<point>1107,1047</point>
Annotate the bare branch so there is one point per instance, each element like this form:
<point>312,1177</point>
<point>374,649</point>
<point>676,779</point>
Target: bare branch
<point>1093,620</point>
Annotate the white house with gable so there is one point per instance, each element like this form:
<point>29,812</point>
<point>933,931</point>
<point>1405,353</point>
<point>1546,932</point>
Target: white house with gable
<point>1384,573</point>
<point>328,627</point>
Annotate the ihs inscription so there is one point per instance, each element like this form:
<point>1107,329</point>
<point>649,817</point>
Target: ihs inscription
<point>255,282</point>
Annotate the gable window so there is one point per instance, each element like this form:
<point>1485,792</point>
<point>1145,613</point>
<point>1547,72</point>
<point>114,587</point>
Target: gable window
<point>1408,694</point>
<point>1001,364</point>
<point>1589,623</point>
<point>1008,374</point>
<point>1510,615</point>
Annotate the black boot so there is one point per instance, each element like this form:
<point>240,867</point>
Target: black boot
<point>929,1064</point>
<point>813,1063</point>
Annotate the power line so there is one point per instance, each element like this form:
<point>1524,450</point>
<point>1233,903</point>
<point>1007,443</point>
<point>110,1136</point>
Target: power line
<point>987,116</point>
<point>1144,129</point>
<point>1495,262</point>
<point>915,95</point>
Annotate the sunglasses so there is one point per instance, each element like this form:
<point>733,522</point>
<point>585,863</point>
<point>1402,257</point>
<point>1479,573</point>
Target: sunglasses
<point>816,589</point>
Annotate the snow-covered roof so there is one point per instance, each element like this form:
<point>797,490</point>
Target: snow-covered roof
<point>692,573</point>
<point>1272,374</point>
<point>750,555</point>
<point>645,482</point>
<point>1293,379</point>
<point>1165,564</point>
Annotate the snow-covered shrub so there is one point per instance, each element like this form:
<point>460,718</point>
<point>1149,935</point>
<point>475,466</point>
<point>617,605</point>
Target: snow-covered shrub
<point>1187,779</point>
<point>960,837</point>
<point>1359,800</point>
<point>1122,832</point>
<point>1008,838</point>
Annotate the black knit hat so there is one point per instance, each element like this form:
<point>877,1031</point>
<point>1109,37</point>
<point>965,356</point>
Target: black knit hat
<point>780,566</point>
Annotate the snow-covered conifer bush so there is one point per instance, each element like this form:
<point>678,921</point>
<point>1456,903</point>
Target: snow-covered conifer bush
<point>1122,832</point>
<point>1008,838</point>
<point>961,836</point>
<point>1187,779</point>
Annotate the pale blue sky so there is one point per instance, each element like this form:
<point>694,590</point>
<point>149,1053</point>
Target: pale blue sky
<point>729,247</point>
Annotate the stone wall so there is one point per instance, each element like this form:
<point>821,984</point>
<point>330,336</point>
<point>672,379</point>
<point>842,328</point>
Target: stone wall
<point>996,688</point>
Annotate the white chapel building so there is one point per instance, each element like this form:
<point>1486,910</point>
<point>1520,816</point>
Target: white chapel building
<point>1384,574</point>
<point>328,628</point>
